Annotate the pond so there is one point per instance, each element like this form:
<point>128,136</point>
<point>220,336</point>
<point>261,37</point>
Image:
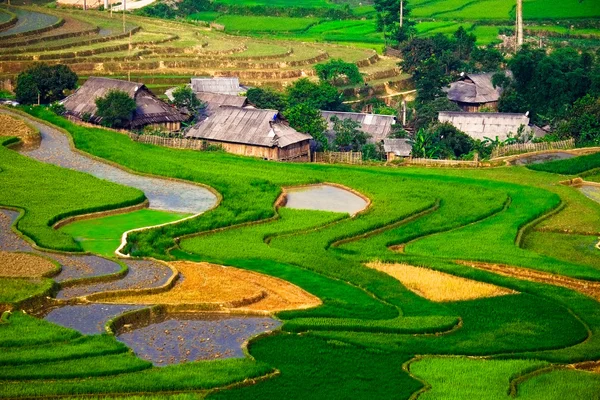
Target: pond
<point>184,338</point>
<point>541,158</point>
<point>593,192</point>
<point>325,198</point>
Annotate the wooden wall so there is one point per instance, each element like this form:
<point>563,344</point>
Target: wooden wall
<point>470,107</point>
<point>293,152</point>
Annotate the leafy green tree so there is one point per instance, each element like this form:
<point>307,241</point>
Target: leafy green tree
<point>453,142</point>
<point>425,144</point>
<point>338,71</point>
<point>116,109</point>
<point>348,135</point>
<point>427,112</point>
<point>487,59</point>
<point>388,19</point>
<point>465,43</point>
<point>307,119</point>
<point>321,96</point>
<point>49,82</point>
<point>583,122</point>
<point>267,98</point>
<point>185,98</point>
<point>430,78</point>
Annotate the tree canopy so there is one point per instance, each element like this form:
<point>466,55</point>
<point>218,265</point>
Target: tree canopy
<point>337,70</point>
<point>116,109</point>
<point>185,98</point>
<point>322,95</point>
<point>50,82</point>
<point>307,119</point>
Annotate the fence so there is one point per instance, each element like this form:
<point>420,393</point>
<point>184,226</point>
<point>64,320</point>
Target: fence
<point>441,163</point>
<point>519,148</point>
<point>176,143</point>
<point>332,157</point>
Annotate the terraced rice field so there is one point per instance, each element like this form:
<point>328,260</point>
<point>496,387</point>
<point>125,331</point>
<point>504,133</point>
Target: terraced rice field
<point>466,281</point>
<point>92,43</point>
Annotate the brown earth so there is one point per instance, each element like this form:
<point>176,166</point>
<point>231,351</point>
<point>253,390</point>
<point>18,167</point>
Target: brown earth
<point>588,288</point>
<point>10,126</point>
<point>24,265</point>
<point>439,286</point>
<point>203,283</point>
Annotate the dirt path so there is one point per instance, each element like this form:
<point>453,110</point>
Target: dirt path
<point>588,288</point>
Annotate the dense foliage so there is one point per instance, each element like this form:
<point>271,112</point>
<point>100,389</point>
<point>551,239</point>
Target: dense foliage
<point>44,83</point>
<point>184,98</point>
<point>116,109</point>
<point>339,71</point>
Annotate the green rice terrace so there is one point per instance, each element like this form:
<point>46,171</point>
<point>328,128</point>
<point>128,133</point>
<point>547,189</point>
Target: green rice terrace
<point>340,281</point>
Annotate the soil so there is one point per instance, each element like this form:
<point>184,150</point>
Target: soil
<point>203,283</point>
<point>24,265</point>
<point>588,288</point>
<point>439,286</point>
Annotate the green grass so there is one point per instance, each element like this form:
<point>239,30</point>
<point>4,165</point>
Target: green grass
<point>208,16</point>
<point>570,166</point>
<point>17,290</point>
<point>369,324</point>
<point>471,378</point>
<point>103,235</point>
<point>561,384</point>
<point>59,193</point>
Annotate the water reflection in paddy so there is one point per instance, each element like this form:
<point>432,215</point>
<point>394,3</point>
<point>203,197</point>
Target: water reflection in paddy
<point>593,192</point>
<point>186,338</point>
<point>542,158</point>
<point>88,319</point>
<point>325,198</point>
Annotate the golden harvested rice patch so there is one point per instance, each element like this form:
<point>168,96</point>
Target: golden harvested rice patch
<point>203,283</point>
<point>439,286</point>
<point>24,265</point>
<point>10,126</point>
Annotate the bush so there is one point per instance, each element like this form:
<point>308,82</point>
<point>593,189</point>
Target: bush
<point>116,109</point>
<point>339,72</point>
<point>44,83</point>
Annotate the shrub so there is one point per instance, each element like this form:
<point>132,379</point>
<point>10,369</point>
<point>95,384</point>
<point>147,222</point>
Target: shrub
<point>115,109</point>
<point>44,83</point>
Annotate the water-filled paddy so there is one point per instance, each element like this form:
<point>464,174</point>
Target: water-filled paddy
<point>593,192</point>
<point>73,266</point>
<point>186,338</point>
<point>325,198</point>
<point>542,158</point>
<point>163,194</point>
<point>88,319</point>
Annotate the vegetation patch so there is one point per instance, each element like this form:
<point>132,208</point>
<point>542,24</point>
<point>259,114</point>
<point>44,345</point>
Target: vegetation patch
<point>439,286</point>
<point>203,283</point>
<point>14,127</point>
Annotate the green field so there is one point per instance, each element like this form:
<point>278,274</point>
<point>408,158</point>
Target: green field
<point>367,318</point>
<point>238,23</point>
<point>103,235</point>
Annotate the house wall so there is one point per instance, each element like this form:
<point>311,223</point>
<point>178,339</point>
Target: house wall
<point>293,152</point>
<point>165,126</point>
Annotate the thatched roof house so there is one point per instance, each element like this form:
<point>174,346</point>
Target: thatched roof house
<point>482,125</point>
<point>397,148</point>
<point>252,132</point>
<point>150,110</point>
<point>377,126</point>
<point>475,91</point>
<point>230,86</point>
<point>214,101</point>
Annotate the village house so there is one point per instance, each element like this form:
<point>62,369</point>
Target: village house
<point>487,125</point>
<point>473,92</point>
<point>150,112</point>
<point>217,92</point>
<point>378,127</point>
<point>252,132</point>
<point>397,148</point>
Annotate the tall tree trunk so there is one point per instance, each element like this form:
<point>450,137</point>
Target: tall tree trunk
<point>401,13</point>
<point>519,24</point>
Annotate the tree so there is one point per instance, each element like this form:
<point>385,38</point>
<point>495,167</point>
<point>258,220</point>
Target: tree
<point>486,59</point>
<point>583,122</point>
<point>429,79</point>
<point>427,113</point>
<point>390,20</point>
<point>321,96</point>
<point>337,71</point>
<point>185,98</point>
<point>425,144</point>
<point>348,136</point>
<point>465,43</point>
<point>453,143</point>
<point>307,119</point>
<point>115,109</point>
<point>49,82</point>
<point>267,98</point>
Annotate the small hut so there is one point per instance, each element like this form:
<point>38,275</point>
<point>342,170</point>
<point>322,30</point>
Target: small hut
<point>487,125</point>
<point>150,111</point>
<point>377,126</point>
<point>253,132</point>
<point>397,148</point>
<point>474,92</point>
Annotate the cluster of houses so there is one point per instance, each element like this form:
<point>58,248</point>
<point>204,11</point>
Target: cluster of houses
<point>231,122</point>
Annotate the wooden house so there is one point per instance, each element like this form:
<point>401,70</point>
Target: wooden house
<point>378,127</point>
<point>230,86</point>
<point>150,111</point>
<point>472,92</point>
<point>487,125</point>
<point>252,132</point>
<point>397,148</point>
<point>214,101</point>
